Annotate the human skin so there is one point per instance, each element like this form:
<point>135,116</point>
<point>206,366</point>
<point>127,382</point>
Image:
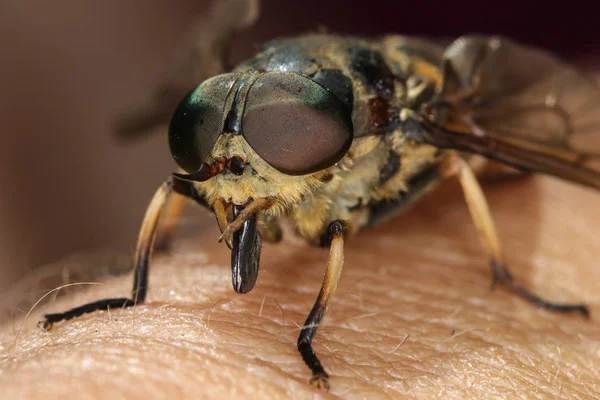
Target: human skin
<point>413,315</point>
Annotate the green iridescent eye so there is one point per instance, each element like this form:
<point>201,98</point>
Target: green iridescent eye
<point>197,122</point>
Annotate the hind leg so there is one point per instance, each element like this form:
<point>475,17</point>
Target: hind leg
<point>455,166</point>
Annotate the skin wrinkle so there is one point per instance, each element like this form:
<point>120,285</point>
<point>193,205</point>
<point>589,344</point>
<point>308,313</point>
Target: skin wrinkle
<point>167,347</point>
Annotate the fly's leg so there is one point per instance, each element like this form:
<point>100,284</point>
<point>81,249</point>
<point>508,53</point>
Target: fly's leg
<point>206,54</point>
<point>143,252</point>
<point>172,215</point>
<point>480,213</point>
<point>320,378</point>
<point>183,191</point>
<point>220,211</point>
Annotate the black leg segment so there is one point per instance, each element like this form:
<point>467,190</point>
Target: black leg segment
<point>501,275</point>
<point>122,302</point>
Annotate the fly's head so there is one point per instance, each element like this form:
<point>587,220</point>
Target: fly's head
<point>248,136</point>
<point>257,143</point>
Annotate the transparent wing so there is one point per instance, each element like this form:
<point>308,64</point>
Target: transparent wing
<point>204,55</point>
<point>519,105</point>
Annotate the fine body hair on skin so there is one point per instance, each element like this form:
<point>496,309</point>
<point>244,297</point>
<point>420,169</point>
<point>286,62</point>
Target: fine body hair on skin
<point>413,315</point>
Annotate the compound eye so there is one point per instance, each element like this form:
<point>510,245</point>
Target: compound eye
<point>198,120</point>
<point>295,124</point>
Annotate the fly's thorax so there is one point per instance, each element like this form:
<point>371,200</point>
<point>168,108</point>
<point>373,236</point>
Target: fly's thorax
<point>257,179</point>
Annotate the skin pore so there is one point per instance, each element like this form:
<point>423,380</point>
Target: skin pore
<point>413,314</point>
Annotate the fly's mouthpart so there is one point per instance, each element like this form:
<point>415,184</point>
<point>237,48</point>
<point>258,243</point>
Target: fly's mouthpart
<point>246,243</point>
<point>234,164</point>
<point>245,213</point>
<point>245,253</point>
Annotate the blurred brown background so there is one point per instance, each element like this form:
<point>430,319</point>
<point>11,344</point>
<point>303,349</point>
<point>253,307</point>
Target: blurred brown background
<point>69,66</point>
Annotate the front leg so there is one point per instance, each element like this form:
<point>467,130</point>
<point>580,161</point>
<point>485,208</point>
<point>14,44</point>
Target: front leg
<point>320,378</point>
<point>143,253</point>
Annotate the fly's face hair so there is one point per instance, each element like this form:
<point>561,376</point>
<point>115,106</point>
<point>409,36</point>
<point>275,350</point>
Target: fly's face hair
<point>247,176</point>
<point>338,134</point>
